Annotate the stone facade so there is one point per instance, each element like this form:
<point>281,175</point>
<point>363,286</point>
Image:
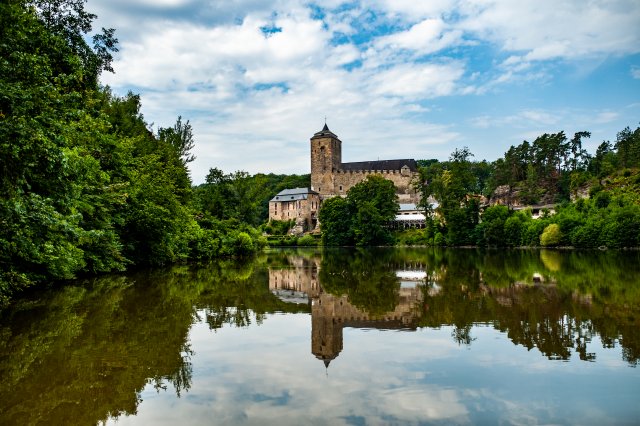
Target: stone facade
<point>331,177</point>
<point>299,204</point>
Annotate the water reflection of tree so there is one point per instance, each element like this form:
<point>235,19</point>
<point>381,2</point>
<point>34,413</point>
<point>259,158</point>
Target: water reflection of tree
<point>365,276</point>
<point>237,297</point>
<point>554,301</point>
<point>82,354</point>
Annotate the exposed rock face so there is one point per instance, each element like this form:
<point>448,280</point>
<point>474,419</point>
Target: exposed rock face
<point>299,228</point>
<point>582,192</point>
<point>513,196</point>
<point>505,195</point>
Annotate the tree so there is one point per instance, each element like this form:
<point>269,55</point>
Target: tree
<point>180,137</point>
<point>453,185</point>
<point>379,192</point>
<point>362,217</point>
<point>579,156</point>
<point>493,224</point>
<point>335,222</point>
<point>628,147</point>
<point>68,19</point>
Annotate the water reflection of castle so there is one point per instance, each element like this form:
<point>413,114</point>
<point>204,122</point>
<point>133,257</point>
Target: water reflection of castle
<point>331,313</point>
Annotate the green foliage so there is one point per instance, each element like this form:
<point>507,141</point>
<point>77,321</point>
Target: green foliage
<point>491,228</point>
<point>180,137</point>
<point>546,171</point>
<point>243,244</point>
<point>551,235</point>
<point>362,217</point>
<point>514,228</point>
<point>278,227</point>
<point>451,184</point>
<point>628,148</point>
<point>622,229</point>
<point>307,240</point>
<point>602,199</point>
<point>242,196</point>
<point>335,222</point>
<point>412,237</point>
<point>85,186</point>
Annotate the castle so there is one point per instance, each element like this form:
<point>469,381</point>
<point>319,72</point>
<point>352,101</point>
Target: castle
<point>331,177</point>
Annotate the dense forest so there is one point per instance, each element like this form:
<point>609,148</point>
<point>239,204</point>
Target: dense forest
<point>586,200</point>
<point>86,185</point>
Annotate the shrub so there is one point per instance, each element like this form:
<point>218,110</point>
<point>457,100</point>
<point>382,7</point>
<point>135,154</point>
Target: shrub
<point>623,227</point>
<point>307,240</point>
<point>243,244</point>
<point>595,189</point>
<point>204,244</point>
<point>513,230</point>
<point>588,235</point>
<point>278,227</point>
<point>551,235</point>
<point>531,232</point>
<point>602,199</point>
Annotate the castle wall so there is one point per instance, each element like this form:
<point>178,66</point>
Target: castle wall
<point>344,180</point>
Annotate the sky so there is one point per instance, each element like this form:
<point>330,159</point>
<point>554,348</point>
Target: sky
<point>392,78</point>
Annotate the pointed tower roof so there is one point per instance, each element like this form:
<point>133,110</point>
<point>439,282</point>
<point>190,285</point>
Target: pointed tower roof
<point>325,133</point>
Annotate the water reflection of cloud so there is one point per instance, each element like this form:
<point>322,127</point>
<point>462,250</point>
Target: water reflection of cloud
<point>286,385</point>
<point>267,375</point>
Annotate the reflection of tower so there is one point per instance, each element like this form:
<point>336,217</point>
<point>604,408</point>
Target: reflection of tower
<point>330,314</point>
<point>326,331</point>
<point>299,283</point>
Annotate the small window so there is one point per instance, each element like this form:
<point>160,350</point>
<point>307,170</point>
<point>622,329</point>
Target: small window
<point>340,187</point>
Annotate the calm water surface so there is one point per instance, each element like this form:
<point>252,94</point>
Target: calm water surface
<point>353,337</point>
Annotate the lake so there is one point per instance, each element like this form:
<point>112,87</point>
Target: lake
<point>334,337</point>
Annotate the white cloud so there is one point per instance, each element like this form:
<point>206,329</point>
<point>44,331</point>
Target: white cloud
<point>547,29</point>
<point>256,98</point>
<point>417,80</point>
<point>635,72</point>
<point>427,36</point>
<point>606,117</point>
<point>411,9</point>
<point>163,3</point>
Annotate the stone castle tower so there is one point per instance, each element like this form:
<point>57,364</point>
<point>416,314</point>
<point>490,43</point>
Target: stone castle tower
<point>326,158</point>
<point>331,177</point>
